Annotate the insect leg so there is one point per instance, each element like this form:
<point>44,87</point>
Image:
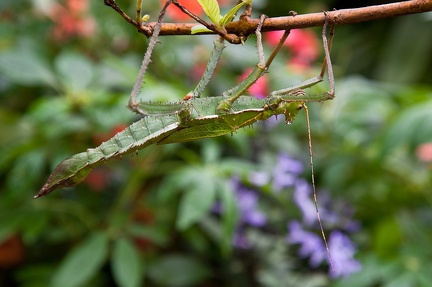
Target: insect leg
<point>292,92</point>
<point>158,108</point>
<point>234,93</point>
<point>328,95</point>
<point>133,103</point>
<point>219,45</point>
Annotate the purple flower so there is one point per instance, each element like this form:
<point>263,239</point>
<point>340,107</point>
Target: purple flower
<point>259,178</point>
<point>286,172</point>
<point>303,200</point>
<point>336,213</point>
<point>240,240</point>
<point>311,245</point>
<point>288,164</point>
<point>341,248</point>
<point>247,202</point>
<point>342,251</point>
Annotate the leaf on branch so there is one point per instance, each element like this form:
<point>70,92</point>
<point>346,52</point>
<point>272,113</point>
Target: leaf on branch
<point>212,10</point>
<point>199,29</point>
<point>225,20</point>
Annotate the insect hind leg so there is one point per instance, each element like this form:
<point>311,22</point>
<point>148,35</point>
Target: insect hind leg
<point>326,65</point>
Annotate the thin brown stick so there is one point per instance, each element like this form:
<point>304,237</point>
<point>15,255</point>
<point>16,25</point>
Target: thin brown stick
<point>234,39</point>
<point>142,29</point>
<point>247,26</point>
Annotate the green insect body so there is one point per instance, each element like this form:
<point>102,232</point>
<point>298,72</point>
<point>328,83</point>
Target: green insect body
<point>196,119</point>
<point>137,136</point>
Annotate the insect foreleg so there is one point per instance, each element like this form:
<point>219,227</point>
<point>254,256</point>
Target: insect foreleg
<point>234,93</point>
<point>318,78</point>
<point>215,56</point>
<point>156,109</point>
<point>133,103</point>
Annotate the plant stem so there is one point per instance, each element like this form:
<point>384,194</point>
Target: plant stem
<point>340,17</point>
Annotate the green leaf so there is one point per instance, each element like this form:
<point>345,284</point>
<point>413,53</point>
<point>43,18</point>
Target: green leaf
<point>25,171</point>
<point>126,264</point>
<point>25,67</point>
<point>225,20</point>
<point>199,29</point>
<point>211,8</point>
<point>198,199</point>
<point>411,128</point>
<point>82,263</point>
<point>229,215</point>
<point>387,237</point>
<point>156,234</point>
<point>211,151</point>
<point>177,271</point>
<point>76,71</point>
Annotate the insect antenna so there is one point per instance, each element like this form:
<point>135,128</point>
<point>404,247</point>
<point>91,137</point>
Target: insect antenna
<point>313,186</point>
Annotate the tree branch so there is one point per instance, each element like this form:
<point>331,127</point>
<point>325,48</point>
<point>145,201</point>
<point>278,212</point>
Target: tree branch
<point>247,26</point>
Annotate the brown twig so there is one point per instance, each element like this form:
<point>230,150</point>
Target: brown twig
<point>143,29</point>
<point>234,39</point>
<point>247,26</point>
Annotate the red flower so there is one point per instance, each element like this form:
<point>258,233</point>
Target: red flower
<point>272,38</point>
<point>303,45</point>
<point>424,152</point>
<point>12,251</point>
<point>71,20</point>
<point>98,179</point>
<point>143,215</point>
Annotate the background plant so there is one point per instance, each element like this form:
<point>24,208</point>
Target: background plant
<point>64,84</point>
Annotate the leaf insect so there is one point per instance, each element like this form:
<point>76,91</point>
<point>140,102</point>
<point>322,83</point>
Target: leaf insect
<point>199,118</point>
<point>191,120</point>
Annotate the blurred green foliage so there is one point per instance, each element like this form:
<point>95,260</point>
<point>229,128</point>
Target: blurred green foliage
<point>146,219</point>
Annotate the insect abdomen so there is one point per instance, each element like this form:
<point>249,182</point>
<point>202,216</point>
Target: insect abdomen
<point>140,134</point>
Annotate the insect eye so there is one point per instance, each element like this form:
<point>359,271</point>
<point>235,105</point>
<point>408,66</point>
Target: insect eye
<point>187,97</point>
